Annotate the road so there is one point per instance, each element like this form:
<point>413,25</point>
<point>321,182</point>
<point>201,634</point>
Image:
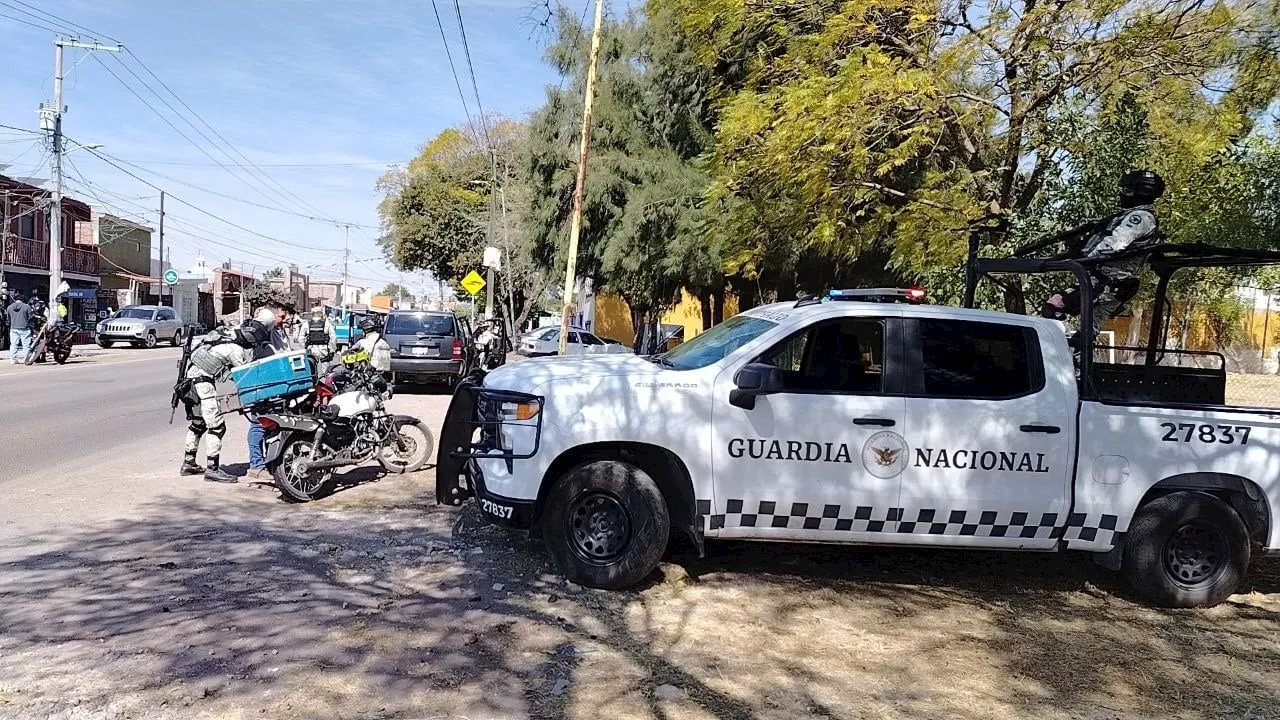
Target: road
<point>58,418</point>
<point>89,442</point>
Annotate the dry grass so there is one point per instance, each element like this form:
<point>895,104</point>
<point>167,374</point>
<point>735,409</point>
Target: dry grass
<point>1253,390</point>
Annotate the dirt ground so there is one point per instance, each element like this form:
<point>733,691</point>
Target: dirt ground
<point>375,603</point>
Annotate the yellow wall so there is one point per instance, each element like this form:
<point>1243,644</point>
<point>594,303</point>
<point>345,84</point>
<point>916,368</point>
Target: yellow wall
<point>613,317</point>
<point>1262,333</point>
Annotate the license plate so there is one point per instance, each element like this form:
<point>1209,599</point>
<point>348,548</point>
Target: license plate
<point>421,351</point>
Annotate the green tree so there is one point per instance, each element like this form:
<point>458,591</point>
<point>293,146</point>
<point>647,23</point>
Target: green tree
<point>463,191</point>
<point>901,126</point>
<point>260,293</point>
<point>642,234</point>
<point>396,290</point>
<point>273,274</point>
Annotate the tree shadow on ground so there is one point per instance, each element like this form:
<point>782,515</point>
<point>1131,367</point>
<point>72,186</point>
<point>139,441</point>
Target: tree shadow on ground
<point>326,610</point>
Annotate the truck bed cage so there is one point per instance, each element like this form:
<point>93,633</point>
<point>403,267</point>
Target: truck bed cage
<point>1165,260</point>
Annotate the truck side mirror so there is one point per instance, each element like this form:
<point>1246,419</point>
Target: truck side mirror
<point>753,380</point>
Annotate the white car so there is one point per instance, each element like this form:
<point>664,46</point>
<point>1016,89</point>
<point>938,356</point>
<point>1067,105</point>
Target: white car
<point>546,341</point>
<point>873,423</point>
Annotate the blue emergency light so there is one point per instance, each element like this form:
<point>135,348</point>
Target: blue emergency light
<point>913,295</point>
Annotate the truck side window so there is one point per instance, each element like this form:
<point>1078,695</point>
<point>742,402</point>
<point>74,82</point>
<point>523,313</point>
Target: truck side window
<point>964,359</point>
<point>838,356</point>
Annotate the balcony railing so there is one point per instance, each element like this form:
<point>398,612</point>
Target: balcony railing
<point>81,262</point>
<point>28,253</point>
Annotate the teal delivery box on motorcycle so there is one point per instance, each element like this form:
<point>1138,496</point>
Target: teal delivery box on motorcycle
<point>274,377</point>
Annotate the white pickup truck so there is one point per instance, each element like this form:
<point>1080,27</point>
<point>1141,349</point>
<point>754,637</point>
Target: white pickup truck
<point>873,423</point>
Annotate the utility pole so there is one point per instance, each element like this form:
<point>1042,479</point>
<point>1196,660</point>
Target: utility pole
<point>346,255</point>
<point>506,259</point>
<point>162,283</point>
<point>4,240</point>
<point>55,220</point>
<point>580,185</point>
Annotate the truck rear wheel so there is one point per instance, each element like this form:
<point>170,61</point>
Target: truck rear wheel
<point>606,524</point>
<point>1186,549</point>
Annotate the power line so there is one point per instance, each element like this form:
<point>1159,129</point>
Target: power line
<point>45,28</point>
<point>287,193</point>
<point>233,197</point>
<point>166,120</point>
<point>466,50</point>
<point>278,165</point>
<point>34,144</point>
<point>24,130</point>
<point>64,22</point>
<point>452,69</point>
<point>197,208</point>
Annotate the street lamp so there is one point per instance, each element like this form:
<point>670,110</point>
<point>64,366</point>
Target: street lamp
<point>94,146</point>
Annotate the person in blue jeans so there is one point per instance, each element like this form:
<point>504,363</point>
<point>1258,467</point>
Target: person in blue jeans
<point>270,316</point>
<point>19,316</point>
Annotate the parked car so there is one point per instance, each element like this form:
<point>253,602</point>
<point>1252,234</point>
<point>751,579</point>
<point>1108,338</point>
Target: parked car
<point>581,342</point>
<point>428,345</point>
<point>140,326</point>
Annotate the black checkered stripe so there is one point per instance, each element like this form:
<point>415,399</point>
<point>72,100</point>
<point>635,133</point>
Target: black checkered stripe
<point>1087,528</point>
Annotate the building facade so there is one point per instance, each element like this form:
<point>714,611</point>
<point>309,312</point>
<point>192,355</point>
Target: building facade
<point>25,233</point>
<point>126,264</point>
<point>25,245</point>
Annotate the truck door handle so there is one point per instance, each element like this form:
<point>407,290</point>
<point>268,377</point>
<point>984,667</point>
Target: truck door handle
<point>1046,429</point>
<point>882,422</point>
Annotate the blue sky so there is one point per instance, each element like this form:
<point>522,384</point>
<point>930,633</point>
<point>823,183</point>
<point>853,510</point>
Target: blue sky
<point>342,88</point>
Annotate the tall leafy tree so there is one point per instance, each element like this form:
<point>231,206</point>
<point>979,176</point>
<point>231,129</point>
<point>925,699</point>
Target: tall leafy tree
<point>642,235</point>
<point>847,128</point>
<point>464,190</point>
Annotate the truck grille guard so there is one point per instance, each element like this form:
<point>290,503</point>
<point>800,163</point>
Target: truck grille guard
<point>471,431</point>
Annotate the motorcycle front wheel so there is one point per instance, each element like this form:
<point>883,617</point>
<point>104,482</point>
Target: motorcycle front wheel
<point>36,354</point>
<point>294,485</point>
<point>62,354</point>
<point>409,449</point>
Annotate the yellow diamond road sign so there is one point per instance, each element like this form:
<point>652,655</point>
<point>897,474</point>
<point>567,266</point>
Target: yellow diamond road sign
<point>473,283</point>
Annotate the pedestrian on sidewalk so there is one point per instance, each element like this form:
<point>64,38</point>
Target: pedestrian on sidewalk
<point>19,314</point>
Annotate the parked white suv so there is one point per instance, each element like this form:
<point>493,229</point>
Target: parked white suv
<point>546,341</point>
<point>873,423</point>
<point>141,326</point>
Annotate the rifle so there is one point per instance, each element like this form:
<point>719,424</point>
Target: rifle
<point>180,385</point>
<point>1074,239</point>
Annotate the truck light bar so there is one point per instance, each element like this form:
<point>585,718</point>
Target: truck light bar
<point>913,295</point>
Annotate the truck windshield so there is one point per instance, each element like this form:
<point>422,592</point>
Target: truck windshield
<point>713,345</point>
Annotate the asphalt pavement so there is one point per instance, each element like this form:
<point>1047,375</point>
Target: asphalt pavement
<point>57,417</point>
<point>89,443</point>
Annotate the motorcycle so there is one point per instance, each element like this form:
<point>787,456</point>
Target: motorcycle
<point>55,339</point>
<point>343,423</point>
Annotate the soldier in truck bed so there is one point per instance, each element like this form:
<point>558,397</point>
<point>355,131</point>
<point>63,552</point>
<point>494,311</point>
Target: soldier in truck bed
<point>1135,227</point>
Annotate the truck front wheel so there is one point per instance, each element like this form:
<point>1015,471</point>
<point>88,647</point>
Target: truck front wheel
<point>606,524</point>
<point>1186,549</point>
